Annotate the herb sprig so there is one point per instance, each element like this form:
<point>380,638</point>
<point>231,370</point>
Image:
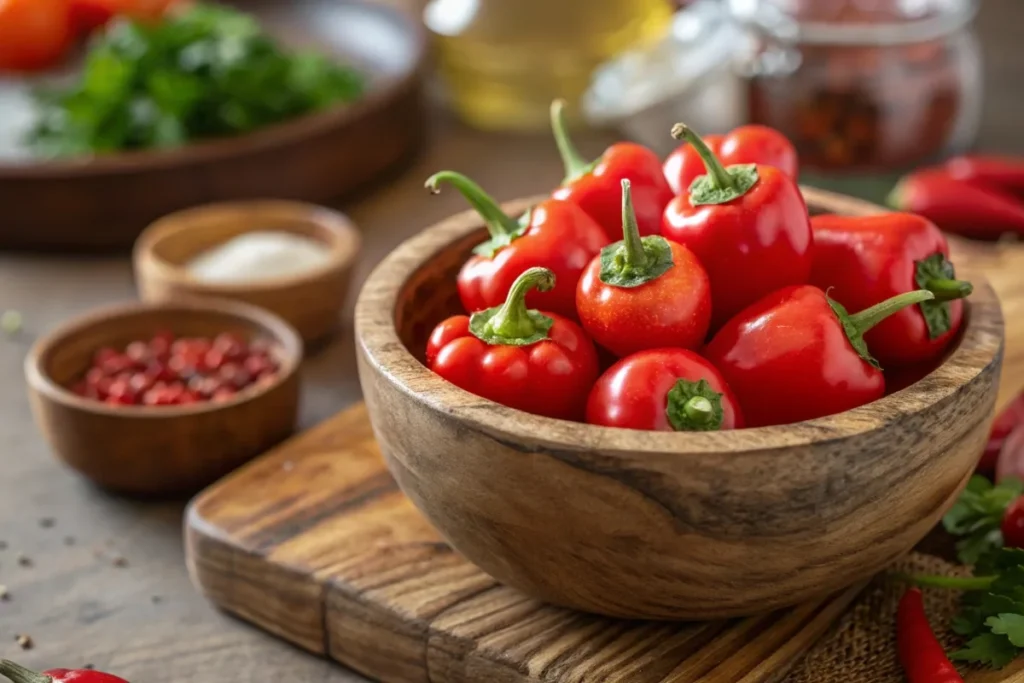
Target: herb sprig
<point>206,72</point>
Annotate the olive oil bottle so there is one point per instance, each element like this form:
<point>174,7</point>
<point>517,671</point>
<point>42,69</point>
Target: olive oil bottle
<point>503,61</point>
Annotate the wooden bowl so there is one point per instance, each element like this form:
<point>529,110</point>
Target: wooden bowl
<point>103,203</point>
<point>168,449</point>
<point>655,525</point>
<point>311,302</point>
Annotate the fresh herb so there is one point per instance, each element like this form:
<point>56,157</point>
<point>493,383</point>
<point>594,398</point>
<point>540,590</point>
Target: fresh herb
<point>991,617</point>
<point>977,516</point>
<point>206,72</point>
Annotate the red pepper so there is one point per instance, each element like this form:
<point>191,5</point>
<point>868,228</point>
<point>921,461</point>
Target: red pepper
<point>19,674</point>
<point>594,185</point>
<point>750,144</point>
<point>862,261</point>
<point>1005,174</point>
<point>555,235</point>
<point>1011,456</point>
<point>747,224</point>
<point>920,652</point>
<point>1006,422</point>
<point>664,390</point>
<point>957,206</point>
<point>797,355</point>
<point>644,292</point>
<point>1012,527</point>
<point>537,362</point>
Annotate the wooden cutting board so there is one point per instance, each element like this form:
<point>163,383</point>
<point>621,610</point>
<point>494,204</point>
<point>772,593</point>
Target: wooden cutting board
<point>314,543</point>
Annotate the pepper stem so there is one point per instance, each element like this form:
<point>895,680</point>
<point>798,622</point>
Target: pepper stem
<point>634,255</point>
<point>500,225</point>
<point>869,317</point>
<point>512,323</point>
<point>20,674</point>
<point>973,583</point>
<point>699,410</point>
<point>575,165</point>
<point>948,290</point>
<point>720,178</point>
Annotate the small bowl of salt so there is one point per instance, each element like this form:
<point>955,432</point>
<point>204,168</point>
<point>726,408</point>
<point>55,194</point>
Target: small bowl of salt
<point>291,258</point>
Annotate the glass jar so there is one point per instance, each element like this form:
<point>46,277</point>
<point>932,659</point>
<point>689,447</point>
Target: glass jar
<point>503,61</point>
<point>864,85</point>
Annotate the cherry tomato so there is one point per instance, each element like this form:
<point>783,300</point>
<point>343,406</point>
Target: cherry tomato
<point>1013,524</point>
<point>34,34</point>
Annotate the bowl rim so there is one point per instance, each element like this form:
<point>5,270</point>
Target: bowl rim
<point>271,137</point>
<point>378,343</point>
<point>344,243</point>
<point>41,382</point>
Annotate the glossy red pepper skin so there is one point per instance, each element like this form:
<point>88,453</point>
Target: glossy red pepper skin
<point>552,376</point>
<point>596,187</point>
<point>1006,422</point>
<point>865,260</point>
<point>750,246</point>
<point>19,674</point>
<point>561,237</point>
<point>750,144</point>
<point>788,359</point>
<point>1012,526</point>
<point>633,393</point>
<point>1005,174</point>
<point>920,652</point>
<point>957,206</point>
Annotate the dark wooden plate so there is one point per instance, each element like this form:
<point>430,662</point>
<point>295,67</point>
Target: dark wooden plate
<point>103,203</point>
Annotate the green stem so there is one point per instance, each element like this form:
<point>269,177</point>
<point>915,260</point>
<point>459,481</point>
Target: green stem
<point>716,171</point>
<point>699,410</point>
<point>947,290</point>
<point>634,256</point>
<point>512,319</point>
<point>869,317</point>
<point>575,165</point>
<point>499,224</point>
<point>20,674</point>
<point>973,583</point>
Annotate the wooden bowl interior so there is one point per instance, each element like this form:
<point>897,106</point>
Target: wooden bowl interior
<point>177,239</point>
<point>64,358</point>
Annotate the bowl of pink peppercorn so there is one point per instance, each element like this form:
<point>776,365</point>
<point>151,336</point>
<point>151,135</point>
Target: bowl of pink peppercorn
<point>162,399</point>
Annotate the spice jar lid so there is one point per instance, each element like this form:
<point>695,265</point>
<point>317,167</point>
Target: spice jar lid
<point>849,22</point>
<point>703,41</point>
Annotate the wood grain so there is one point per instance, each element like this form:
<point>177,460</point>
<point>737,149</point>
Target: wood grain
<point>656,525</point>
<point>315,543</point>
<point>171,449</point>
<point>104,203</point>
<point>311,301</point>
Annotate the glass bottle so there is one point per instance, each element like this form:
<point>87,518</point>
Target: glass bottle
<point>504,61</point>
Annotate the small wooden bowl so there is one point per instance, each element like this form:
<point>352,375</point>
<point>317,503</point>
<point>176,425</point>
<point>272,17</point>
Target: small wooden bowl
<point>311,302</point>
<point>160,450</point>
<point>655,525</point>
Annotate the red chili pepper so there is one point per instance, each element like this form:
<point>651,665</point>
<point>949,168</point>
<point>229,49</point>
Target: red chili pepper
<point>796,355</point>
<point>537,362</point>
<point>747,224</point>
<point>957,206</point>
<point>1005,423</point>
<point>1012,527</point>
<point>750,144</point>
<point>20,674</point>
<point>644,292</point>
<point>594,185</point>
<point>862,261</point>
<point>1005,174</point>
<point>664,390</point>
<point>556,235</point>
<point>920,652</point>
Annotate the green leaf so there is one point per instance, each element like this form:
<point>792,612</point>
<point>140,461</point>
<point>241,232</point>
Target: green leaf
<point>989,648</point>
<point>1009,625</point>
<point>977,517</point>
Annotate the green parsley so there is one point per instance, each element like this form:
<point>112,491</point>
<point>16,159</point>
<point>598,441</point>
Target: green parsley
<point>977,516</point>
<point>206,72</point>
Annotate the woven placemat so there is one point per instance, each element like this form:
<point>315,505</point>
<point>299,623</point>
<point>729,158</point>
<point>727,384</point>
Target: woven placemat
<point>861,647</point>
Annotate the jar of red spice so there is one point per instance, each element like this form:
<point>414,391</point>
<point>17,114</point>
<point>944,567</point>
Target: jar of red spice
<point>865,85</point>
